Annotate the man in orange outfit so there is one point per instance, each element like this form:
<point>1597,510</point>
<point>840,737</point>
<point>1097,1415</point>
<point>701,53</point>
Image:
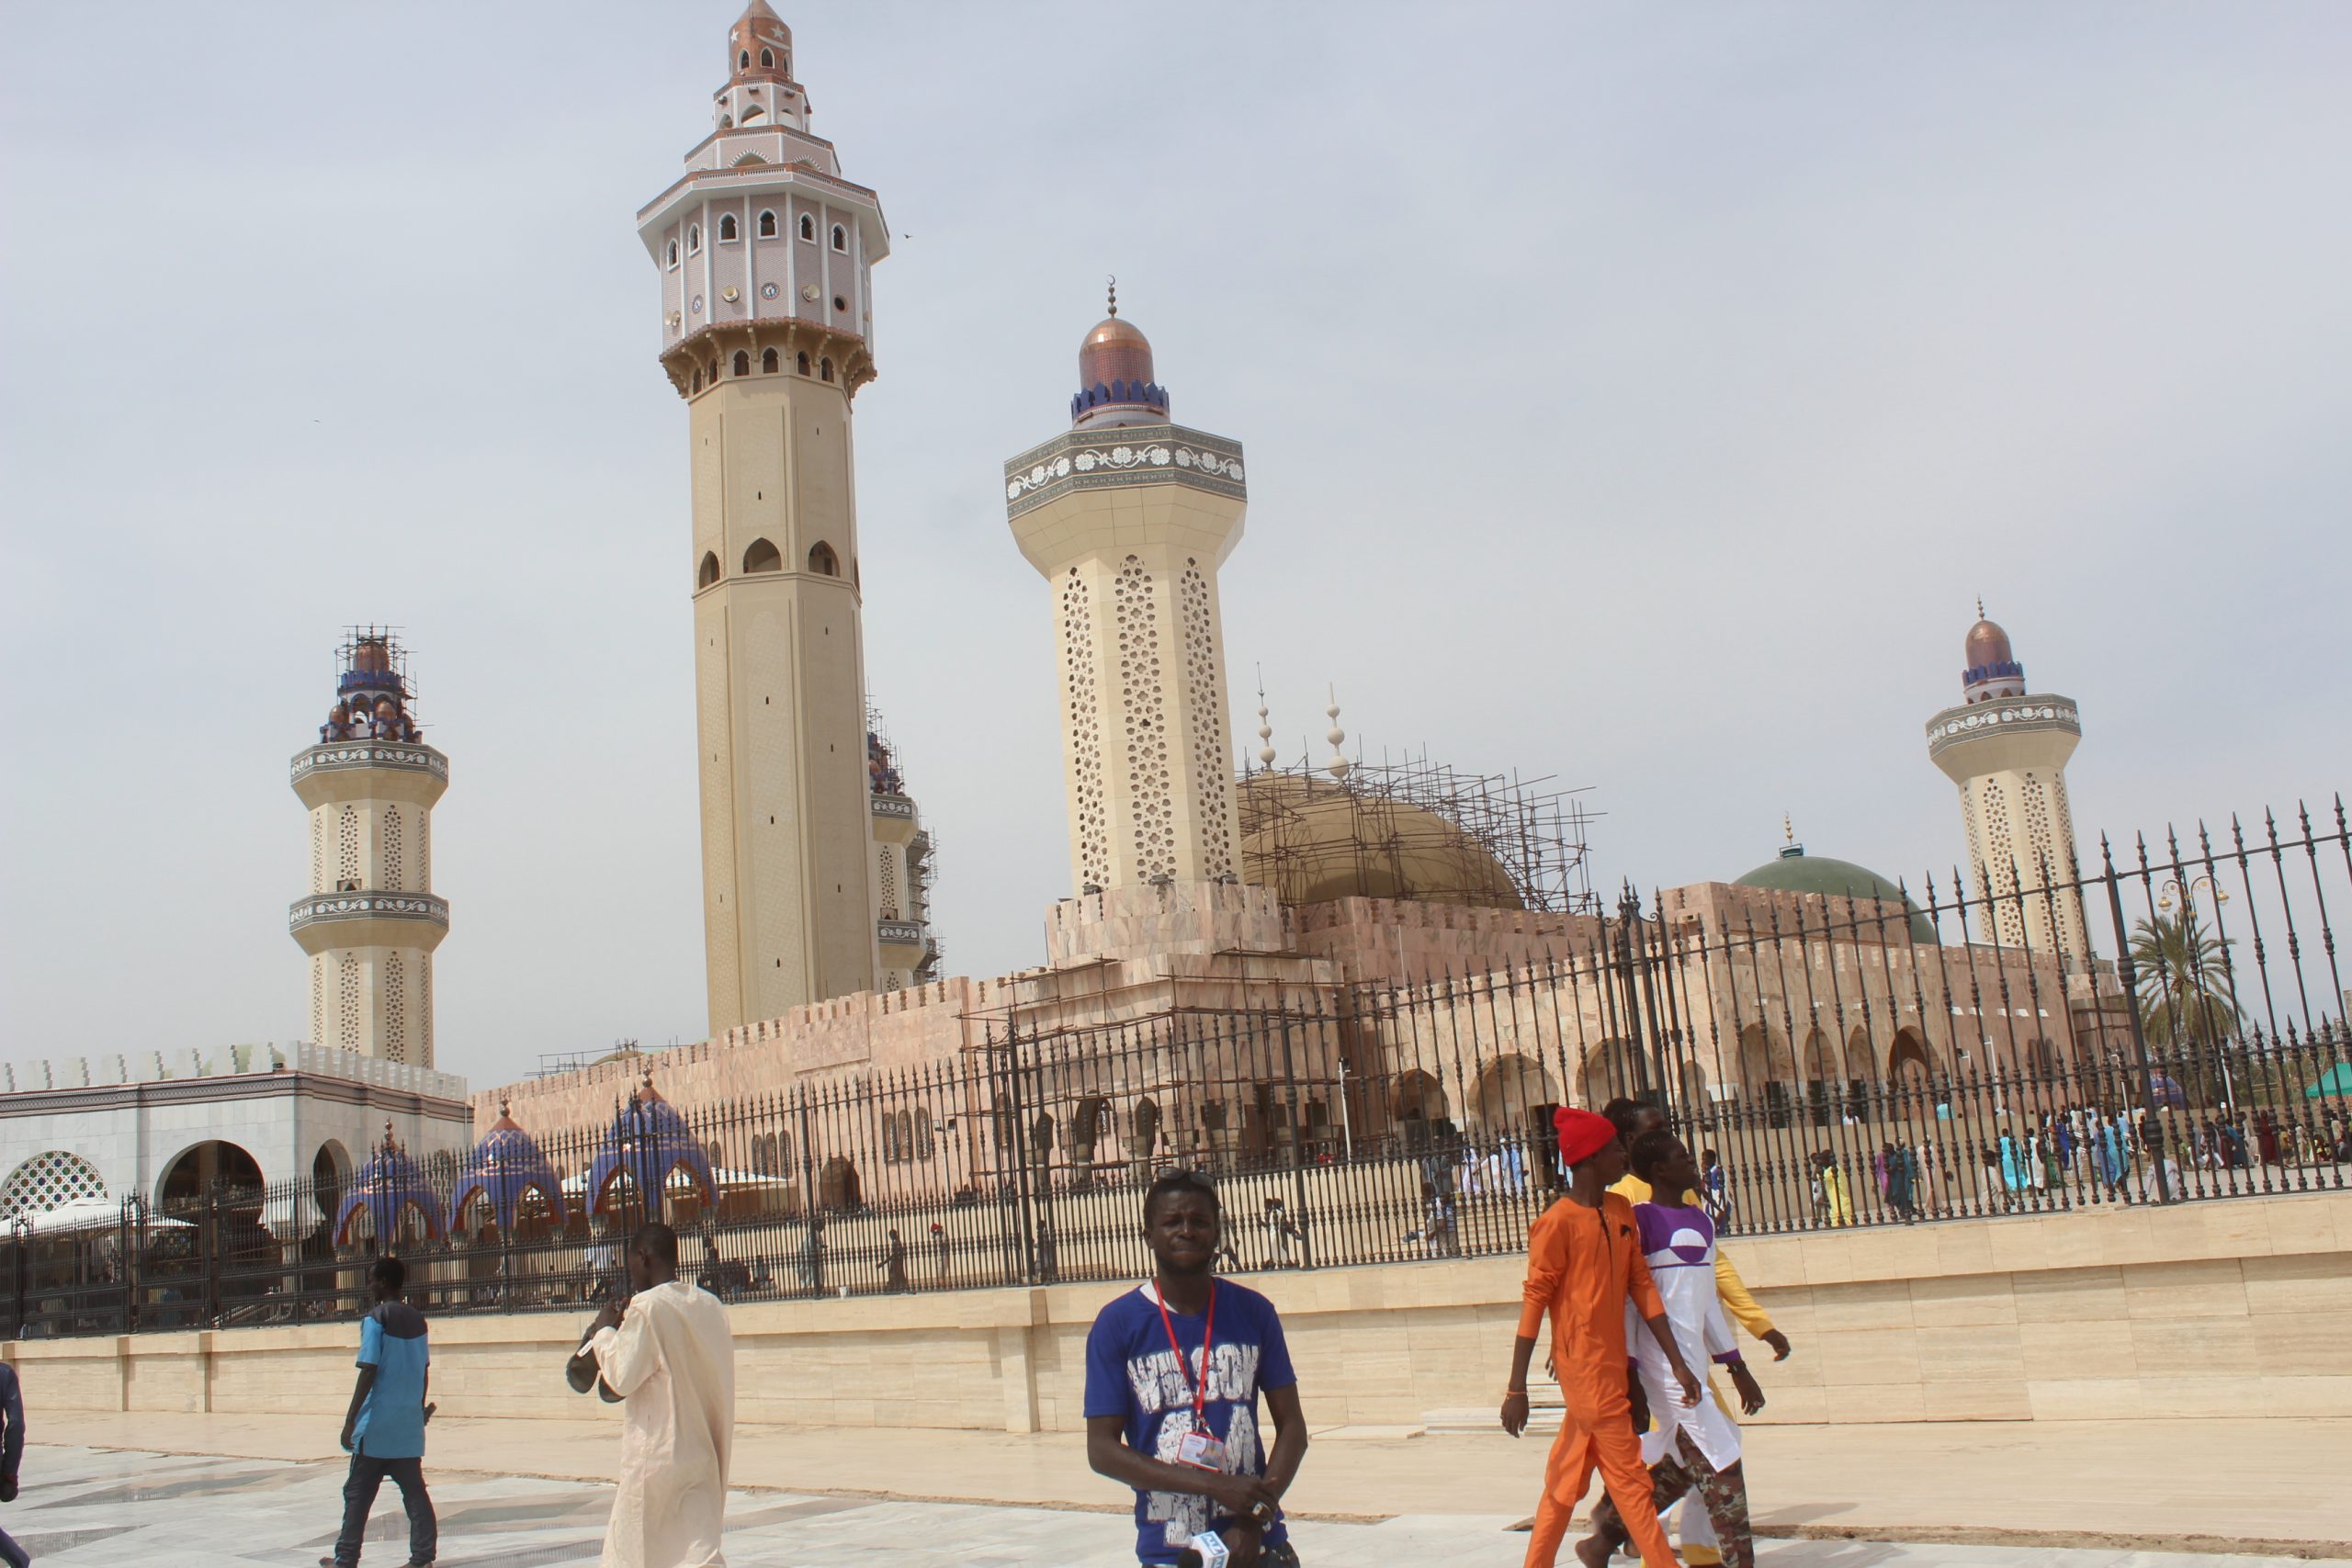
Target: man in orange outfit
<point>1584,1263</point>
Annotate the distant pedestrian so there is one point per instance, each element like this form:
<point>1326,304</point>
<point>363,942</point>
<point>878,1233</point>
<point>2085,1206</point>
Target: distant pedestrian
<point>894,1266</point>
<point>939,1253</point>
<point>1718,1189</point>
<point>383,1431</point>
<point>1901,1183</point>
<point>1049,1262</point>
<point>812,1256</point>
<point>12,1453</point>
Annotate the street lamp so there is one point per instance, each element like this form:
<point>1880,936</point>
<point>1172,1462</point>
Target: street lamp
<point>2187,893</point>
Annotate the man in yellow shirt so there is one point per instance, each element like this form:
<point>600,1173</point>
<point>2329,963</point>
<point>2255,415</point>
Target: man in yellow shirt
<point>1633,1118</point>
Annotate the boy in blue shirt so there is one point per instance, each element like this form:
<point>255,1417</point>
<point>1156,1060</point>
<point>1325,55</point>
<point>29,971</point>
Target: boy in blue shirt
<point>384,1429</point>
<point>1174,1372</point>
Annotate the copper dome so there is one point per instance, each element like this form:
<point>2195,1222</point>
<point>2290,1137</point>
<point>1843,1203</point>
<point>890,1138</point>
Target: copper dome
<point>1115,350</point>
<point>371,656</point>
<point>1987,644</point>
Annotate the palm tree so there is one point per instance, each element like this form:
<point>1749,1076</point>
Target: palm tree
<point>2186,999</point>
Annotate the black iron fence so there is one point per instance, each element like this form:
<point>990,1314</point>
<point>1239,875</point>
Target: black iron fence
<point>2167,1028</point>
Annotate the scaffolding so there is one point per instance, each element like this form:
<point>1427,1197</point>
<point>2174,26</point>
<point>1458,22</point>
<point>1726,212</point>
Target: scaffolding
<point>1412,828</point>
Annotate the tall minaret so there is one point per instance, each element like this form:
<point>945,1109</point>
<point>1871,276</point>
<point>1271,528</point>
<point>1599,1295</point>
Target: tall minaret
<point>371,923</point>
<point>764,251</point>
<point>1128,518</point>
<point>2007,751</point>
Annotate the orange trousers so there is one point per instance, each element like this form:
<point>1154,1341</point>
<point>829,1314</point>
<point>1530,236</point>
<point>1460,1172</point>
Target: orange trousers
<point>1607,1443</point>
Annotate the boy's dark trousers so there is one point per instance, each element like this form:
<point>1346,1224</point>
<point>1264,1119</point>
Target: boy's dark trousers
<point>360,1488</point>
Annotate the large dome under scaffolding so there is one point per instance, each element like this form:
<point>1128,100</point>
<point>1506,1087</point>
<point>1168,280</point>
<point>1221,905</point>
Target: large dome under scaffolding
<point>1416,830</point>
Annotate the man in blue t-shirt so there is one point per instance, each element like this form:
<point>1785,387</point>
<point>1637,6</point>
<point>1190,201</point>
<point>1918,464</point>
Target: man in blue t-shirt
<point>1174,1372</point>
<point>384,1429</point>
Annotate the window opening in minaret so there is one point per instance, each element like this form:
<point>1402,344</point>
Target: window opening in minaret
<point>753,113</point>
<point>762,557</point>
<point>743,61</point>
<point>809,228</point>
<point>804,364</point>
<point>767,225</point>
<point>727,226</point>
<point>822,560</point>
<point>767,60</point>
<point>841,238</point>
<point>709,571</point>
<point>694,240</point>
<point>825,369</point>
<point>743,362</point>
<point>767,362</point>
<point>697,380</point>
<point>674,252</point>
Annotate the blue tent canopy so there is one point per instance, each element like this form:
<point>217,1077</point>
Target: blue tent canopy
<point>504,1166</point>
<point>388,1183</point>
<point>649,1141</point>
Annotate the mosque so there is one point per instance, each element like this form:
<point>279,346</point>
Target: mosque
<point>1194,886</point>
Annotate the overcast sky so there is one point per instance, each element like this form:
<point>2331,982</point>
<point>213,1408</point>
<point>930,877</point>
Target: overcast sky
<point>1635,394</point>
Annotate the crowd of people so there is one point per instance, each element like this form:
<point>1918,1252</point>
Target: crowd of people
<point>1191,1398</point>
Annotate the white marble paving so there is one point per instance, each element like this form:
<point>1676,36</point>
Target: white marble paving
<point>83,1508</point>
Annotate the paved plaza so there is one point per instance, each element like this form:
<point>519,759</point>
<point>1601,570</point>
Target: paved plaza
<point>93,1508</point>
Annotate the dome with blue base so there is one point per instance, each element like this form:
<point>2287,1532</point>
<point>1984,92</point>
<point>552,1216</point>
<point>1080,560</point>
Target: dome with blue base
<point>382,1189</point>
<point>504,1166</point>
<point>650,1141</point>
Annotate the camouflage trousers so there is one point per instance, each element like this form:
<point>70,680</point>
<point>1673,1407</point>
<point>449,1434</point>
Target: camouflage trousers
<point>1723,1494</point>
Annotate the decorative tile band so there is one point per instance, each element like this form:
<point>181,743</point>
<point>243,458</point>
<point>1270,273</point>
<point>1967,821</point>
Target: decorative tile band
<point>1158,453</point>
<point>362,754</point>
<point>1954,724</point>
<point>323,907</point>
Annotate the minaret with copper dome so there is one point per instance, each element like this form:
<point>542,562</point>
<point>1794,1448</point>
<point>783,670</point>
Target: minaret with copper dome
<point>763,252</point>
<point>1128,517</point>
<point>2007,750</point>
<point>371,921</point>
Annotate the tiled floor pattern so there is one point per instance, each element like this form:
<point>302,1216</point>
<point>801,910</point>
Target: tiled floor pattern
<point>85,1508</point>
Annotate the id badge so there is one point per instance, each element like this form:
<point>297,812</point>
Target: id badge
<point>1201,1451</point>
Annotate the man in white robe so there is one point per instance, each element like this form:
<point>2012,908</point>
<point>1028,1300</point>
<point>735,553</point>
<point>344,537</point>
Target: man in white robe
<point>665,1354</point>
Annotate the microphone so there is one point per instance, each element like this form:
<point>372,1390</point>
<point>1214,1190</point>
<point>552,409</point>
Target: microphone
<point>1206,1550</point>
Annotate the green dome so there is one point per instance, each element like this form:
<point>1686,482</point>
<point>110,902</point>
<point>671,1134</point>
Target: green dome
<point>1793,871</point>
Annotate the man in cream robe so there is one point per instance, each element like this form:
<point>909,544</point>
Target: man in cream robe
<point>667,1355</point>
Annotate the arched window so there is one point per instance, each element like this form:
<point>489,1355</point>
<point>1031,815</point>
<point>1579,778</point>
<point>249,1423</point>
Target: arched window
<point>825,369</point>
<point>762,557</point>
<point>743,61</point>
<point>751,113</point>
<point>767,60</point>
<point>807,228</point>
<point>674,252</point>
<point>822,561</point>
<point>922,1132</point>
<point>697,380</point>
<point>767,362</point>
<point>841,238</point>
<point>743,362</point>
<point>804,364</point>
<point>694,239</point>
<point>708,573</point>
<point>727,226</point>
<point>767,225</point>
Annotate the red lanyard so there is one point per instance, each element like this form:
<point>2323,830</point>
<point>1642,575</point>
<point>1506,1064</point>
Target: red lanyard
<point>1208,1339</point>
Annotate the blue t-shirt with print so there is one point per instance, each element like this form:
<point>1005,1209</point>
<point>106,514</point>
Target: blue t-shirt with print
<point>391,1420</point>
<point>1132,1372</point>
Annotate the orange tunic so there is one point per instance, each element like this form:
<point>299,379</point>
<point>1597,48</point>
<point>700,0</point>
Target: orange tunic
<point>1582,1267</point>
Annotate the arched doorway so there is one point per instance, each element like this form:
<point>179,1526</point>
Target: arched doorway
<point>1765,1074</point>
<point>205,1269</point>
<point>1509,1091</point>
<point>201,1169</point>
<point>1823,1076</point>
<point>1910,1070</point>
<point>837,1185</point>
<point>1613,1069</point>
<point>1420,1105</point>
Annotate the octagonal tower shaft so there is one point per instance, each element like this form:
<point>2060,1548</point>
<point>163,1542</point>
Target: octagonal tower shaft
<point>1128,525</point>
<point>763,252</point>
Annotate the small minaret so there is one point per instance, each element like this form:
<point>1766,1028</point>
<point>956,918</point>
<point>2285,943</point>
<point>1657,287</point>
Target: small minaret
<point>763,252</point>
<point>370,922</point>
<point>1128,516</point>
<point>2007,750</point>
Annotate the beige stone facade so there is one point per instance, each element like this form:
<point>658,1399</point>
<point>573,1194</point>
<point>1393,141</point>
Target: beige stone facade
<point>2230,1309</point>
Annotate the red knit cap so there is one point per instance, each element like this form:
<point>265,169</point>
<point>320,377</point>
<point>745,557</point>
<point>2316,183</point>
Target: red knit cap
<point>1582,1133</point>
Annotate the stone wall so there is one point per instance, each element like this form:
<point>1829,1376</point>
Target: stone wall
<point>2214,1309</point>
